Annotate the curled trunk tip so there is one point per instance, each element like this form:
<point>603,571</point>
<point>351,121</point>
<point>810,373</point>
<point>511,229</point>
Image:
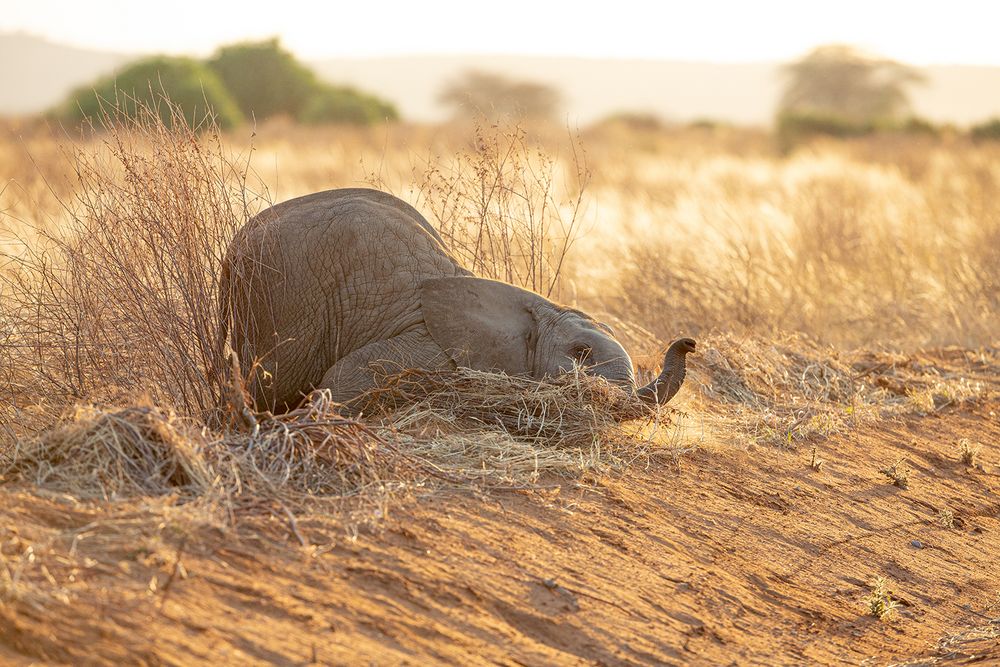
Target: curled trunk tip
<point>670,379</point>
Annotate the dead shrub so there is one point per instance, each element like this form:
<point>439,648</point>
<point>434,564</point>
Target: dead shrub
<point>506,207</point>
<point>117,298</point>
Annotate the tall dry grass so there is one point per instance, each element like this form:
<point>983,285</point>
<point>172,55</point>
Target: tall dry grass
<point>114,298</point>
<point>873,241</point>
<point>111,252</point>
<point>113,302</point>
<point>507,206</point>
<point>897,252</point>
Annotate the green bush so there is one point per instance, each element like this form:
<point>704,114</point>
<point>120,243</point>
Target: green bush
<point>794,127</point>
<point>336,104</point>
<point>917,126</point>
<point>986,131</point>
<point>264,79</point>
<point>708,124</point>
<point>185,82</point>
<point>640,121</point>
<point>247,80</point>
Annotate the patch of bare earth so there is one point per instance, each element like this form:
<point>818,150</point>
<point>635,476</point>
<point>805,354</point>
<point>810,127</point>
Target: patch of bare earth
<point>727,553</point>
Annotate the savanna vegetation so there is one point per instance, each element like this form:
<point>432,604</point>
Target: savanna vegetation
<point>248,81</point>
<point>842,290</point>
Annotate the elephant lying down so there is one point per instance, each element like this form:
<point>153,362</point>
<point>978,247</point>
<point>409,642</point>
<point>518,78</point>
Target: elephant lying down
<point>327,290</point>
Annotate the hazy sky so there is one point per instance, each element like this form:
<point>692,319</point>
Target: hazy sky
<point>957,31</point>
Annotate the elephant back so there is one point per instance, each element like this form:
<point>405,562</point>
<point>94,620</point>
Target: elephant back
<point>317,277</point>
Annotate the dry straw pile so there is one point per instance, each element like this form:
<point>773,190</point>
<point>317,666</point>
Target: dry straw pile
<point>785,389</point>
<point>456,426</point>
<point>145,450</point>
<point>502,429</point>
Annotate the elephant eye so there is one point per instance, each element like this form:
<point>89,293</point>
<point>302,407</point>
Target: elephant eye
<point>581,353</point>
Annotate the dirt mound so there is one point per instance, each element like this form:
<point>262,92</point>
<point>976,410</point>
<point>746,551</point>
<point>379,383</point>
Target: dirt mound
<point>727,550</point>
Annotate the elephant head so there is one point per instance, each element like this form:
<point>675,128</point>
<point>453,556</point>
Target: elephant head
<point>490,325</point>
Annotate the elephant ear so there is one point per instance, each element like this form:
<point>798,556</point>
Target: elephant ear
<point>481,324</point>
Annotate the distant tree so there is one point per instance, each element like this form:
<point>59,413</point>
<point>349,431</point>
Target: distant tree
<point>187,83</point>
<point>265,79</point>
<point>988,130</point>
<point>641,121</point>
<point>495,96</point>
<point>840,81</point>
<point>337,104</point>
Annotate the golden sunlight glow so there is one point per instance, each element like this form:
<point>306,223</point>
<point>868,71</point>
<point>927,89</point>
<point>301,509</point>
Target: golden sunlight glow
<point>960,31</point>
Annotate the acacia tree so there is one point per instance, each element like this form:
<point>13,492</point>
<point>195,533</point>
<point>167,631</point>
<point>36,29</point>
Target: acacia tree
<point>842,81</point>
<point>494,96</point>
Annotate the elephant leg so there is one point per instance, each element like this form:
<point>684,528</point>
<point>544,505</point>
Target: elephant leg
<point>357,372</point>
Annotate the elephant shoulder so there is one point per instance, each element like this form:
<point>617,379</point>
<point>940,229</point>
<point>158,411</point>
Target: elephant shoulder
<point>342,204</point>
<point>389,202</point>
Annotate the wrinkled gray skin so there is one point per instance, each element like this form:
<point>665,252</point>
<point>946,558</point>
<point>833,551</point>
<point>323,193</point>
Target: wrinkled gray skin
<point>327,290</point>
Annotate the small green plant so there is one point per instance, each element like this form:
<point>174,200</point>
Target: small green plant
<point>967,453</point>
<point>946,518</point>
<point>879,601</point>
<point>898,474</point>
<point>816,463</point>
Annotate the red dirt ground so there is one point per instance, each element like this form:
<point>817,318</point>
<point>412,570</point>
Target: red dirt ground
<point>726,557</point>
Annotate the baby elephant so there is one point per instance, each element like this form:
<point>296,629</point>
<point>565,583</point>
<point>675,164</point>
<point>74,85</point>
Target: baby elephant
<point>328,290</point>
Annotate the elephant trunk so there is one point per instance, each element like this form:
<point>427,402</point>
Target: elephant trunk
<point>663,388</point>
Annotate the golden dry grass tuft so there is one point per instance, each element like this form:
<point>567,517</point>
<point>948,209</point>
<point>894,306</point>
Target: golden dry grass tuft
<point>498,428</point>
<point>149,451</point>
<point>784,389</point>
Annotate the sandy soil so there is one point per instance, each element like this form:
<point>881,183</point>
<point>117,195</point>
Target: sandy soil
<point>726,556</point>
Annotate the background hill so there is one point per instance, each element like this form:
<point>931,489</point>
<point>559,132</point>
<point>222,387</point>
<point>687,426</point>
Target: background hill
<point>43,72</point>
<point>37,74</point>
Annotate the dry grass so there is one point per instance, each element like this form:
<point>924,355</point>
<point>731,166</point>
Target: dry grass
<point>460,426</point>
<point>502,429</point>
<point>145,450</point>
<point>507,208</point>
<point>109,285</point>
<point>117,297</point>
<point>854,251</point>
<point>787,389</point>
